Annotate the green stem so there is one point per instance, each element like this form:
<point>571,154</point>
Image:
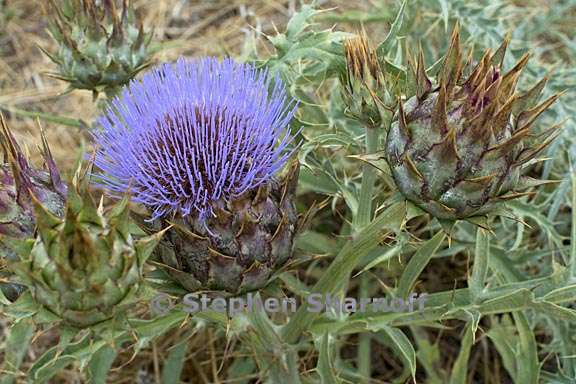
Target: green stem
<point>360,245</point>
<point>280,359</point>
<point>481,261</point>
<point>363,218</point>
<point>364,355</point>
<point>365,211</point>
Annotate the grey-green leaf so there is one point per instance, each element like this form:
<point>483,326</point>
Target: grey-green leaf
<point>417,263</point>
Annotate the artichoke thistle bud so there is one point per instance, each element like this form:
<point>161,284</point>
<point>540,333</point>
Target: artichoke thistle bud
<point>85,267</point>
<point>101,46</point>
<point>200,143</point>
<point>364,86</point>
<point>456,148</point>
<point>19,181</point>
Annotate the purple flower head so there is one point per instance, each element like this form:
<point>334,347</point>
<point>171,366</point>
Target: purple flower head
<point>194,132</point>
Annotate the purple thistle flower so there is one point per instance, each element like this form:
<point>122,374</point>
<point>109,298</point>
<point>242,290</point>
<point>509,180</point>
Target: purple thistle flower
<point>194,132</point>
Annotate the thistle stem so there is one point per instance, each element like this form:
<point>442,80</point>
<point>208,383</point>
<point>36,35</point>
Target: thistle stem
<point>346,260</point>
<point>364,355</point>
<point>363,218</point>
<point>365,211</point>
<point>281,360</point>
<point>481,262</point>
<point>366,236</point>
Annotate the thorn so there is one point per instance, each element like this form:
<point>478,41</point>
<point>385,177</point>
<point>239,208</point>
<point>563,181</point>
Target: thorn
<point>291,180</point>
<point>447,208</point>
<point>520,64</point>
<point>184,230</point>
<point>528,117</point>
<point>140,39</point>
<point>478,73</point>
<point>449,148</point>
<point>482,179</point>
<point>16,159</point>
<point>530,98</point>
<point>101,205</point>
<point>528,154</point>
<point>241,230</point>
<point>478,95</point>
<point>50,163</point>
<point>492,92</point>
<point>423,83</point>
<point>511,142</point>
<point>549,131</point>
<point>402,122</point>
<point>413,167</point>
<point>283,222</point>
<point>124,16</point>
<point>515,195</point>
<point>412,77</point>
<point>440,115</point>
<point>214,252</point>
<point>497,58</point>
<point>480,125</point>
<point>469,58</point>
<point>305,219</point>
<point>452,69</point>
<point>502,116</point>
<point>511,78</point>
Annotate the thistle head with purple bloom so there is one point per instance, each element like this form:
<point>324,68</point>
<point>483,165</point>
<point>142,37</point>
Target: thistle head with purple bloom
<point>195,132</point>
<point>199,143</point>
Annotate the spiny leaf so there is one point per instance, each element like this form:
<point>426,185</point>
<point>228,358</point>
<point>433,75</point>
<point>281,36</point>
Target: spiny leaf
<point>390,39</point>
<point>417,263</point>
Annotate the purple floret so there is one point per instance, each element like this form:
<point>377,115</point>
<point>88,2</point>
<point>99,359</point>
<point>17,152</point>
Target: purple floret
<point>194,132</point>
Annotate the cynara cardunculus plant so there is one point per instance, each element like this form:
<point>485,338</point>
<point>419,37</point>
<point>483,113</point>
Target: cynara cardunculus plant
<point>199,143</point>
<point>457,148</point>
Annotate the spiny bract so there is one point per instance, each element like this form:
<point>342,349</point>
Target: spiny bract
<point>456,149</point>
<point>85,268</point>
<point>101,48</point>
<point>199,142</point>
<point>363,82</point>
<point>19,181</point>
